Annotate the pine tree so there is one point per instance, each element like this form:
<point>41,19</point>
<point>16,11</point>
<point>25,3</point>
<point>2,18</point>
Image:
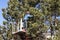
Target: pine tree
<point>18,8</point>
<point>52,9</point>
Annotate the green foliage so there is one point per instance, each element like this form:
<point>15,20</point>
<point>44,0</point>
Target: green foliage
<point>17,10</point>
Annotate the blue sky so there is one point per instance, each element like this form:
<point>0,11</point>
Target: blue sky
<point>3,4</point>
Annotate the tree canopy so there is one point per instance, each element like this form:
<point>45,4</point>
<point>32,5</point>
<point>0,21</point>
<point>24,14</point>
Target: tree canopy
<point>42,10</point>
